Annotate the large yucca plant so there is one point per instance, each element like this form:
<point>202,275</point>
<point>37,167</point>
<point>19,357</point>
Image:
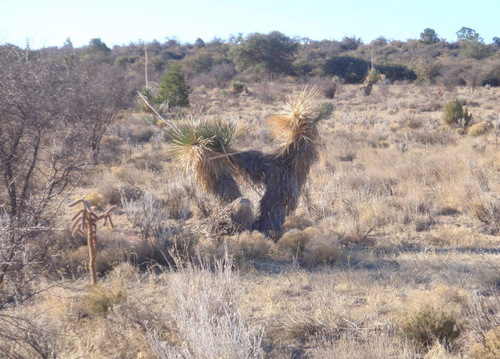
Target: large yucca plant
<point>284,172</point>
<point>202,148</point>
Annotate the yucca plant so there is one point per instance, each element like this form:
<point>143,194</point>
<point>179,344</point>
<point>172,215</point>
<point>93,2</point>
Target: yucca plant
<point>202,148</point>
<point>284,172</point>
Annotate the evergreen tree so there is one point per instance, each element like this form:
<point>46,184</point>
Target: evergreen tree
<point>429,36</point>
<point>270,54</point>
<point>96,46</point>
<point>173,88</point>
<point>472,45</point>
<point>68,44</point>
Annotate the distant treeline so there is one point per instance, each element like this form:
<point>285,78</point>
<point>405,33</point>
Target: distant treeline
<point>256,57</point>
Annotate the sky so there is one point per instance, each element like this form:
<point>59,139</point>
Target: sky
<point>44,23</point>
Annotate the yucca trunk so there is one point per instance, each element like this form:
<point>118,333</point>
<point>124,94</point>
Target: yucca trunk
<point>283,176</point>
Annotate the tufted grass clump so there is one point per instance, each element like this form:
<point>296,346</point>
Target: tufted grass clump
<point>100,300</point>
<point>96,199</point>
<point>478,129</point>
<point>311,246</point>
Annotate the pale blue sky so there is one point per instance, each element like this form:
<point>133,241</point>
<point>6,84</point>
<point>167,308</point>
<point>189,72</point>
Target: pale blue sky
<point>118,22</point>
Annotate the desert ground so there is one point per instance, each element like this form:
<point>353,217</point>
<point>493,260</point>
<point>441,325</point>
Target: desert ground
<point>391,253</point>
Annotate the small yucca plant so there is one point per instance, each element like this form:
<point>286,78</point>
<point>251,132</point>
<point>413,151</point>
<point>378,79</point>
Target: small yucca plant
<point>373,76</point>
<point>202,148</point>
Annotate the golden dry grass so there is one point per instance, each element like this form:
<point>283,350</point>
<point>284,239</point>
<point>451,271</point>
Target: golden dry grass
<point>399,217</point>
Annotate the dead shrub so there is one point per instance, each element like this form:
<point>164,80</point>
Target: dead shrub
<point>21,337</point>
<point>267,94</point>
<point>147,213</point>
<point>297,222</point>
<point>311,246</point>
<point>295,240</point>
<point>250,245</point>
<point>411,121</point>
<point>111,149</point>
<point>142,134</point>
<point>177,202</point>
<point>111,193</point>
<point>486,208</point>
<point>233,218</point>
<point>330,90</point>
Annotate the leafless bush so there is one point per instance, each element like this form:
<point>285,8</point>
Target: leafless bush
<point>148,215</point>
<point>177,200</point>
<point>23,338</point>
<point>266,94</point>
<point>487,210</point>
<point>97,94</point>
<point>219,76</point>
<point>43,152</point>
<point>484,314</point>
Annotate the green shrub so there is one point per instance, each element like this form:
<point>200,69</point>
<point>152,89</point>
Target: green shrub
<point>173,88</point>
<point>454,114</point>
<point>492,77</point>
<point>351,69</point>
<point>427,326</point>
<point>427,72</point>
<point>237,87</point>
<point>396,72</point>
<point>325,110</point>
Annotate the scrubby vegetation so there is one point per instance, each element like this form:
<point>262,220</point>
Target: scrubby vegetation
<point>253,218</point>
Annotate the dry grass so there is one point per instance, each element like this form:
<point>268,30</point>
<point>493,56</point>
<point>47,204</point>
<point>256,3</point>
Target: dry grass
<point>394,240</point>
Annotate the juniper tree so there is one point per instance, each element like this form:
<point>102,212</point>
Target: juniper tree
<point>173,88</point>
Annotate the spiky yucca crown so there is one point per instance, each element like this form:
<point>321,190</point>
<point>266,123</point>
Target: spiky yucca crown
<point>197,145</point>
<point>297,122</point>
